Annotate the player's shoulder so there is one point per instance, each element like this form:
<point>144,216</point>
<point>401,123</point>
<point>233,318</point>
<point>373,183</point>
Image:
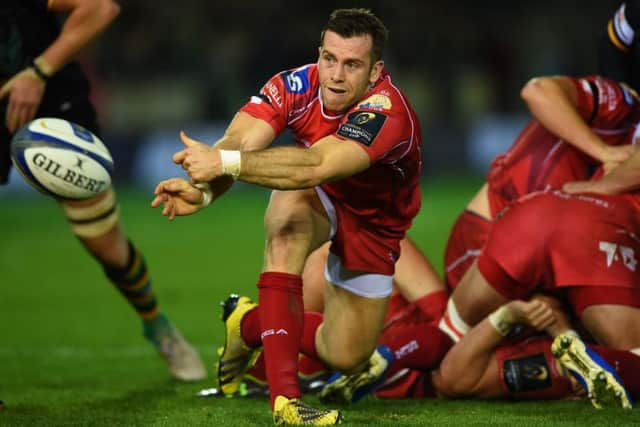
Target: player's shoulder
<point>300,80</point>
<point>384,97</point>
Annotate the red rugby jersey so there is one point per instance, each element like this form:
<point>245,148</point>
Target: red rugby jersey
<point>539,159</point>
<point>386,195</point>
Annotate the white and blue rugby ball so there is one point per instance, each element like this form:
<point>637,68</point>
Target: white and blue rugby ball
<point>62,159</point>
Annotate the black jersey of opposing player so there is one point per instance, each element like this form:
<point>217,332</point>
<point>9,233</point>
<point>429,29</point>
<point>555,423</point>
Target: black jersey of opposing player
<point>26,30</point>
<point>619,50</point>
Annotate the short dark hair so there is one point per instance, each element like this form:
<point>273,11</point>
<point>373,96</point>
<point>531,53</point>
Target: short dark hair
<point>357,22</point>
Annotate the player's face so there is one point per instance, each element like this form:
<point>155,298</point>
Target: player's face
<point>345,70</point>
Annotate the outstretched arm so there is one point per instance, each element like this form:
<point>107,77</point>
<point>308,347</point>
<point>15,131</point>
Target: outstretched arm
<point>181,197</point>
<point>283,168</point>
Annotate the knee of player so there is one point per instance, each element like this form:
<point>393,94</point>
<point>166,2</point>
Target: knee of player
<point>346,361</point>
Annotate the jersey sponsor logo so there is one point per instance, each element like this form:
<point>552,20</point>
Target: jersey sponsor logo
<point>296,81</point>
<point>362,126</point>
<point>274,93</point>
<point>618,253</point>
<point>526,373</point>
<point>376,102</point>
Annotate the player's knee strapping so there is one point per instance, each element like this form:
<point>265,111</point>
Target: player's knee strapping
<point>94,220</point>
<point>452,324</point>
<point>135,285</point>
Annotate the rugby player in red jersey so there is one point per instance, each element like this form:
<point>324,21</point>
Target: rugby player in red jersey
<point>353,180</point>
<point>578,124</point>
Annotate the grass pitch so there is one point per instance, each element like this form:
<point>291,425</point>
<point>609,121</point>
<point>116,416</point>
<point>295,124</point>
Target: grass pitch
<point>72,352</point>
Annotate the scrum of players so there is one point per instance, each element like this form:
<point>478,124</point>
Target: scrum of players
<point>540,295</point>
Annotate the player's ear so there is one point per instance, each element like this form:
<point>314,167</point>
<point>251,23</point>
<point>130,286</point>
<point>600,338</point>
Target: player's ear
<point>376,70</point>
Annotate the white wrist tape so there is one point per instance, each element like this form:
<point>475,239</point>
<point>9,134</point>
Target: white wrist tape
<point>207,194</point>
<point>230,162</point>
<point>502,320</point>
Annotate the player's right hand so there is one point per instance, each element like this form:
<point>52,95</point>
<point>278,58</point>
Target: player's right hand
<point>535,313</point>
<point>614,155</point>
<point>179,197</point>
<point>25,91</point>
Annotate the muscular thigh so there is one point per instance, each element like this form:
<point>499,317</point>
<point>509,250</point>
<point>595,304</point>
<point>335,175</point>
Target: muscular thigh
<point>614,326</point>
<point>351,327</point>
<point>295,224</point>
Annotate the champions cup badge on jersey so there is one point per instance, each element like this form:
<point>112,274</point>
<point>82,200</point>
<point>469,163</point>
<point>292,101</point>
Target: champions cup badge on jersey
<point>376,102</point>
<point>363,118</point>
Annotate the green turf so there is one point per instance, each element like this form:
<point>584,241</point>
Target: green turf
<point>72,354</point>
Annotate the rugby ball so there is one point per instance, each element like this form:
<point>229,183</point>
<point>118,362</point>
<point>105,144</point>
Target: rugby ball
<point>62,159</point>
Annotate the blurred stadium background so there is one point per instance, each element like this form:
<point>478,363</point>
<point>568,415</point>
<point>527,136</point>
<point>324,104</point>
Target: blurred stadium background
<point>191,65</point>
<point>71,352</point>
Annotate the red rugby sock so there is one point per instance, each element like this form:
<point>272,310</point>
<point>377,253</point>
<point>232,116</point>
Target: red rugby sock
<point>626,364</point>
<point>420,346</point>
<point>433,304</point>
<point>312,321</point>
<point>250,328</point>
<point>258,370</point>
<point>281,319</point>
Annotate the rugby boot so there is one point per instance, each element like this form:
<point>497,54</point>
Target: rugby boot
<point>351,388</point>
<point>236,356</point>
<point>182,359</point>
<point>296,412</point>
<point>599,379</point>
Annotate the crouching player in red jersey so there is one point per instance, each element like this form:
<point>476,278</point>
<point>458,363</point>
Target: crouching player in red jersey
<point>353,180</point>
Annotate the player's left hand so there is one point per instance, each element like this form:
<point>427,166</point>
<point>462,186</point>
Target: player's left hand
<point>25,91</point>
<point>178,196</point>
<point>201,161</point>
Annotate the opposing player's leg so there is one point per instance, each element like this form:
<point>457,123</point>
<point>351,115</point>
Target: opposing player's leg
<point>95,222</point>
